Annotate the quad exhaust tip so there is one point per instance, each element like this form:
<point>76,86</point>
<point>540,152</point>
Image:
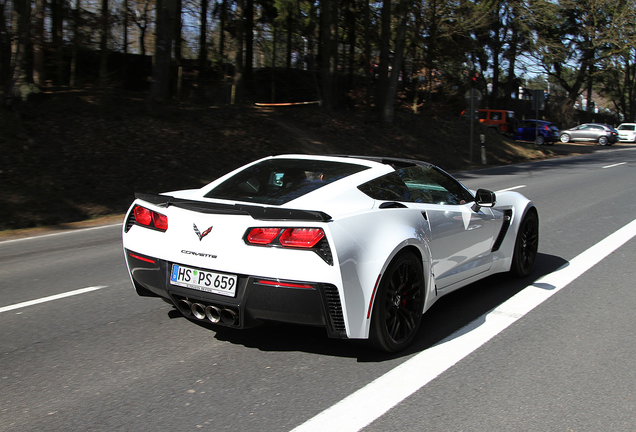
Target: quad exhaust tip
<point>214,314</point>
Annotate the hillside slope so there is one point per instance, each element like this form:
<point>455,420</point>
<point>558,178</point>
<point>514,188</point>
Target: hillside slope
<point>78,154</point>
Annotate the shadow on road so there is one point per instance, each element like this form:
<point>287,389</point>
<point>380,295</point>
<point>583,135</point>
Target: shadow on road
<point>448,315</point>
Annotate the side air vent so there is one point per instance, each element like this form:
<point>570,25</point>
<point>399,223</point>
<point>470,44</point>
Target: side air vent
<point>130,221</point>
<point>324,250</point>
<point>334,310</point>
<point>504,229</point>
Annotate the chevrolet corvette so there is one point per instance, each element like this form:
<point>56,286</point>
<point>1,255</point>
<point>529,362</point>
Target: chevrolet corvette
<point>361,246</point>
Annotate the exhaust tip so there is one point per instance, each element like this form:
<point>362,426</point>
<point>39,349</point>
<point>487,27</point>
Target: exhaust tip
<point>185,307</point>
<point>229,317</point>
<point>198,310</point>
<point>213,314</point>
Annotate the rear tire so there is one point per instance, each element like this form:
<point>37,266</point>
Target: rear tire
<point>603,140</point>
<point>398,305</point>
<point>526,245</point>
<point>539,140</point>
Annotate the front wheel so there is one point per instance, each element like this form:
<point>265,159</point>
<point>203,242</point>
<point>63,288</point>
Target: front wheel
<point>565,138</point>
<point>526,245</point>
<point>398,305</point>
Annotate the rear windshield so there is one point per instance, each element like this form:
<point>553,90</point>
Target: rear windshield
<point>278,181</point>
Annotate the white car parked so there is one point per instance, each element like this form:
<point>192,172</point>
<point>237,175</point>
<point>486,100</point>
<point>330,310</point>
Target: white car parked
<point>627,132</point>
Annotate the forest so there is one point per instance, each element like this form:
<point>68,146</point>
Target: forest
<point>379,56</point>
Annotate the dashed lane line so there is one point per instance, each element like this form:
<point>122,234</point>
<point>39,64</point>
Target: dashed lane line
<point>50,298</point>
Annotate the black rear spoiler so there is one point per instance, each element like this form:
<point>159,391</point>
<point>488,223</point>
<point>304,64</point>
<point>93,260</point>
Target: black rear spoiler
<point>256,212</point>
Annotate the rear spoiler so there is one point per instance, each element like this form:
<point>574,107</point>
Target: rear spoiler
<point>256,212</point>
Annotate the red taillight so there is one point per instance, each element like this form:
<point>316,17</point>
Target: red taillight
<point>160,221</point>
<point>150,218</point>
<point>143,216</point>
<point>263,236</point>
<point>545,127</point>
<point>301,237</point>
<point>148,260</point>
<point>291,237</point>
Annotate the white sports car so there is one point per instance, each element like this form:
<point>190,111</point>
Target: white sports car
<point>362,246</point>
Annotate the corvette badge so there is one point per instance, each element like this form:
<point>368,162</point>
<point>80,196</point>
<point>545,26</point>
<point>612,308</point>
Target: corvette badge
<point>201,234</point>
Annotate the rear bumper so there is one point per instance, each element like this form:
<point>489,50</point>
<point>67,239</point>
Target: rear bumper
<point>257,300</point>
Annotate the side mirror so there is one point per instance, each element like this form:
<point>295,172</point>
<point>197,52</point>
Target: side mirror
<point>484,198</point>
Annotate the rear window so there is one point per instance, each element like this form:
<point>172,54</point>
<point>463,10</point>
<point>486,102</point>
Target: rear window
<point>278,181</point>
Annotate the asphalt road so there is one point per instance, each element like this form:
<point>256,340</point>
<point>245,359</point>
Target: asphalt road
<point>106,360</point>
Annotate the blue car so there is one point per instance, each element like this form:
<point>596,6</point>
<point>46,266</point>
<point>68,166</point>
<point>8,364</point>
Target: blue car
<point>548,133</point>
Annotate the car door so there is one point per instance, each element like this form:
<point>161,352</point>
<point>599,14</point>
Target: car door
<point>529,130</point>
<point>461,233</point>
<point>461,241</point>
<point>586,133</point>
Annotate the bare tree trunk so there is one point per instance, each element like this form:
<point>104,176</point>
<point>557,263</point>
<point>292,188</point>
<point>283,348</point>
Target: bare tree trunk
<point>325,53</point>
<point>103,44</point>
<point>125,25</point>
<point>76,43</point>
<point>385,47</point>
<point>5,47</point>
<point>17,76</point>
<point>249,42</point>
<point>388,110</point>
<point>203,47</point>
<point>237,90</point>
<point>223,20</point>
<point>57,31</point>
<point>38,43</point>
<point>160,88</point>
<point>178,28</point>
<point>367,52</point>
<point>290,27</point>
<point>590,83</point>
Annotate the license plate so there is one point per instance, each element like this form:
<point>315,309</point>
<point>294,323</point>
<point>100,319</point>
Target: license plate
<point>203,280</point>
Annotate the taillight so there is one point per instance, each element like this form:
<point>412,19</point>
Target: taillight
<point>150,218</point>
<point>262,236</point>
<point>545,127</point>
<point>160,221</point>
<point>306,238</point>
<point>143,216</point>
<point>301,237</point>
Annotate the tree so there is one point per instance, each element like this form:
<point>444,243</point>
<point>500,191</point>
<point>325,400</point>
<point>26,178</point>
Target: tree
<point>578,35</point>
<point>141,15</point>
<point>103,45</point>
<point>203,47</point>
<point>17,73</point>
<point>388,109</point>
<point>238,89</point>
<point>160,88</point>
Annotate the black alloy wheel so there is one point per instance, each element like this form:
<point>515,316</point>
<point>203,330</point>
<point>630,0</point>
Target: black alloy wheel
<point>397,309</point>
<point>526,245</point>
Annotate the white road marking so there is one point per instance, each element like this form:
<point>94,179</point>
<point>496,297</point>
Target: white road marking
<point>372,401</point>
<point>50,298</point>
<point>512,188</point>
<point>614,165</point>
<point>61,233</point>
